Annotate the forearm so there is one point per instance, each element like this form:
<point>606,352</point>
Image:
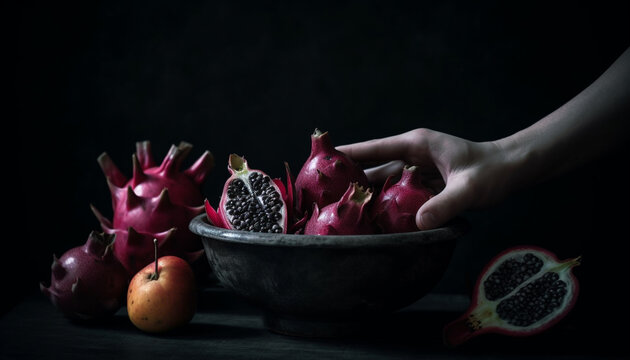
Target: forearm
<point>580,130</point>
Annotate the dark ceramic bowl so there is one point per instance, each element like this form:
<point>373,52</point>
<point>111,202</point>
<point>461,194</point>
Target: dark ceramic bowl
<point>324,286</point>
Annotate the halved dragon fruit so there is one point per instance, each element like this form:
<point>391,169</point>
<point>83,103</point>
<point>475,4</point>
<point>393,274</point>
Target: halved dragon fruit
<point>253,201</point>
<point>522,291</point>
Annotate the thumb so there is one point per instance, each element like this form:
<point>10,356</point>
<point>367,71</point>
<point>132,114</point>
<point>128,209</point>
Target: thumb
<point>444,206</point>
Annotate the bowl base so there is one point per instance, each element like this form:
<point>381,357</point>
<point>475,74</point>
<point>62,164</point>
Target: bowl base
<point>313,328</point>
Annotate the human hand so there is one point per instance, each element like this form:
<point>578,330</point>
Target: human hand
<point>479,174</point>
<point>465,174</point>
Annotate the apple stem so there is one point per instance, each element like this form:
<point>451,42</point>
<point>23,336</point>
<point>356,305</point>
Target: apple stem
<point>155,275</point>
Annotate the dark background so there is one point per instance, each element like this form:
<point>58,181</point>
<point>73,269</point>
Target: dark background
<point>256,78</point>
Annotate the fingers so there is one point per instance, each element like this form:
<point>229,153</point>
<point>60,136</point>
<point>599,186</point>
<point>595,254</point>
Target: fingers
<point>384,149</point>
<point>437,211</point>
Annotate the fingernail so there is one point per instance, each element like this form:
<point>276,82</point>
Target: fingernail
<point>427,220</point>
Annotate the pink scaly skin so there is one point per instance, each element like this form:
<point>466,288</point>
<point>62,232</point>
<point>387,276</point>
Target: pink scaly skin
<point>396,206</point>
<point>326,174</point>
<point>133,251</point>
<point>348,216</point>
<point>154,215</point>
<point>156,200</point>
<point>88,282</point>
<point>149,180</point>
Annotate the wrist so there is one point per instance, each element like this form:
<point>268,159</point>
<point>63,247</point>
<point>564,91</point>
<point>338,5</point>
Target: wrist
<point>520,161</point>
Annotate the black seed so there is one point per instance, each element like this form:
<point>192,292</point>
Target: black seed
<point>255,206</point>
<point>510,274</point>
<point>533,301</point>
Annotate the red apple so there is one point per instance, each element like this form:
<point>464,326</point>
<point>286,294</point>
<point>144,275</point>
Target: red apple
<point>162,296</point>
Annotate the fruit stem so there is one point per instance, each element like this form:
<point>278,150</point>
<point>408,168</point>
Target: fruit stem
<point>321,143</point>
<point>237,163</point>
<point>155,275</point>
<point>568,264</point>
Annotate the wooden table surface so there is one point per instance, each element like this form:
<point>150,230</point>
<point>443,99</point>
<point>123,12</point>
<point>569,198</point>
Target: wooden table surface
<point>226,327</point>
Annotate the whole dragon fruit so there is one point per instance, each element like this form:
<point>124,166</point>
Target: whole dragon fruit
<point>157,202</point>
<point>348,216</point>
<point>396,206</point>
<point>252,201</point>
<point>88,282</point>
<point>326,174</point>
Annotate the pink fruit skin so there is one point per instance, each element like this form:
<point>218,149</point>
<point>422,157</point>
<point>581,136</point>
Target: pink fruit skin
<point>348,216</point>
<point>325,175</point>
<point>149,180</point>
<point>155,201</point>
<point>156,214</point>
<point>88,282</point>
<point>396,206</point>
<point>132,248</point>
<point>457,332</point>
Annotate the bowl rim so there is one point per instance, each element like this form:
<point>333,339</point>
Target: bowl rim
<point>201,226</point>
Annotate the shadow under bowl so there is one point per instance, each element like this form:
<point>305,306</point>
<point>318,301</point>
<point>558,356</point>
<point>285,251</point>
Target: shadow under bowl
<point>327,286</point>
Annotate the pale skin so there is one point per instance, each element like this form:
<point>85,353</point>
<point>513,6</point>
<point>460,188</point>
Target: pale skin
<point>475,175</point>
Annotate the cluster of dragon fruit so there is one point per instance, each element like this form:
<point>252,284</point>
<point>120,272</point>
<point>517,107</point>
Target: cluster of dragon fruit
<point>90,281</point>
<point>330,196</point>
